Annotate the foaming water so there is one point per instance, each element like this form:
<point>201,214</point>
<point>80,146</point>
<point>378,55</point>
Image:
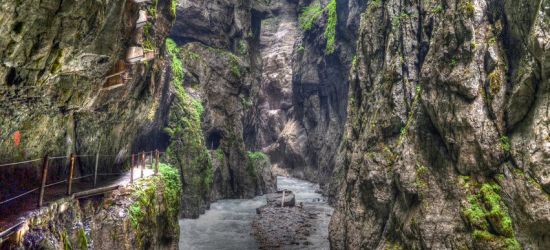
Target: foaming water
<point>228,223</point>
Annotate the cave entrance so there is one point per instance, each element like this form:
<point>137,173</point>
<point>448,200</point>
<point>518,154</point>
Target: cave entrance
<point>213,140</point>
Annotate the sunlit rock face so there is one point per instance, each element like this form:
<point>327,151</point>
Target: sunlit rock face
<point>446,141</point>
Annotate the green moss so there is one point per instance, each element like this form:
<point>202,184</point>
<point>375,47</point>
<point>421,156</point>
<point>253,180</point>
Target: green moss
<point>235,67</point>
<point>56,66</point>
<point>152,9</point>
<point>438,9</point>
<point>488,217</point>
<point>300,48</point>
<point>469,8</point>
<point>255,160</point>
<point>172,189</point>
<point>177,64</point>
<point>174,7</point>
<point>411,116</point>
<point>187,147</point>
<point>220,155</point>
<point>330,30</point>
<point>310,15</point>
<point>147,42</point>
<point>454,62</point>
<point>354,62</point>
<point>397,20</point>
<point>505,144</point>
<point>246,102</point>
<point>243,47</point>
<point>495,82</point>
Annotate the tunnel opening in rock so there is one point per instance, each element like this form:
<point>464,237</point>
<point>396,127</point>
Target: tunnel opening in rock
<point>12,77</point>
<point>213,140</point>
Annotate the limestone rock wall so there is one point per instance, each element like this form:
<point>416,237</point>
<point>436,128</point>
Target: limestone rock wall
<point>446,141</point>
<point>55,59</point>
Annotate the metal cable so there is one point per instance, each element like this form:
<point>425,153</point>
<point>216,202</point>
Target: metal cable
<point>57,157</point>
<point>82,177</point>
<point>18,163</point>
<point>19,196</point>
<point>53,184</point>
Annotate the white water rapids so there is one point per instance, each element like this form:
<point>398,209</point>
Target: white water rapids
<point>227,225</point>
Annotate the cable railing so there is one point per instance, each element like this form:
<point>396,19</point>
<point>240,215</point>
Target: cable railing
<point>67,168</point>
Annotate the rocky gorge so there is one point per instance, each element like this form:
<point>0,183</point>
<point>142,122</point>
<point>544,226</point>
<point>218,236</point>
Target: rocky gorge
<point>425,123</point>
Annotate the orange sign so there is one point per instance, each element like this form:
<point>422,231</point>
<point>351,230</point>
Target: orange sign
<point>17,138</point>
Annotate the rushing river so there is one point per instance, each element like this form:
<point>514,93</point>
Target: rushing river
<point>227,225</point>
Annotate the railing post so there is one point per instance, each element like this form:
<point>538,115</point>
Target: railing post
<point>142,162</point>
<point>44,178</point>
<point>96,163</point>
<point>152,158</point>
<point>132,169</point>
<point>157,156</point>
<point>70,179</point>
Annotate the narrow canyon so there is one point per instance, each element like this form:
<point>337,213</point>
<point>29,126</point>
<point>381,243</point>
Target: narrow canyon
<point>262,124</point>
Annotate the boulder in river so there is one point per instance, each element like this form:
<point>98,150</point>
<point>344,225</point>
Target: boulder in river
<point>276,199</point>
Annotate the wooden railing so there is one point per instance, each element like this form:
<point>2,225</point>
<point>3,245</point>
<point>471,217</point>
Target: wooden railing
<point>138,159</point>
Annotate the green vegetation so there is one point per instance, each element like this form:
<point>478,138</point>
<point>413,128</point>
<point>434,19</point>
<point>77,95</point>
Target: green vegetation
<point>147,43</point>
<point>454,62</point>
<point>354,62</point>
<point>412,113</point>
<point>174,7</point>
<point>397,20</point>
<point>246,102</point>
<point>66,242</point>
<point>487,216</point>
<point>495,82</point>
<point>300,48</point>
<point>144,210</point>
<point>421,176</point>
<point>56,66</point>
<point>187,147</point>
<point>235,67</point>
<point>220,155</point>
<point>243,47</point>
<point>330,30</point>
<point>312,13</point>
<point>505,144</point>
<point>177,64</point>
<point>172,189</point>
<point>152,9</point>
<point>438,9</point>
<point>82,239</point>
<point>469,8</point>
<point>255,160</point>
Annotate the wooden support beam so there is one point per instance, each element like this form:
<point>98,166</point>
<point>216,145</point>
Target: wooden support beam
<point>142,162</point>
<point>157,156</point>
<point>132,169</point>
<point>96,164</point>
<point>44,179</point>
<point>71,172</point>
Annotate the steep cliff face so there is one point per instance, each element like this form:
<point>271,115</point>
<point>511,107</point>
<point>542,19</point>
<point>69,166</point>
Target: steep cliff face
<point>213,72</point>
<point>446,143</point>
<point>67,86</point>
<point>301,102</point>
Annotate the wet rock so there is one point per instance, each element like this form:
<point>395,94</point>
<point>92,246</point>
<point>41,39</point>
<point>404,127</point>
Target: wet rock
<point>276,199</point>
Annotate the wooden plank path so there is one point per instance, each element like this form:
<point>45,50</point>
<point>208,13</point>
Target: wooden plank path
<point>14,215</point>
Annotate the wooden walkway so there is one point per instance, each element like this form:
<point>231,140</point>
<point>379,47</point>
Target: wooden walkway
<point>13,214</point>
